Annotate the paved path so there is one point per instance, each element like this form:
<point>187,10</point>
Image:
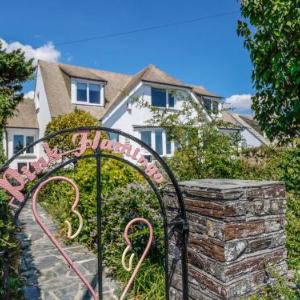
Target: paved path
<point>46,273</point>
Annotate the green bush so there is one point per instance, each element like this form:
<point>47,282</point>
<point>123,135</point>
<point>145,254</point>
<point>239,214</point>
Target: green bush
<point>123,205</point>
<point>10,280</point>
<point>75,119</point>
<point>58,197</point>
<point>293,231</point>
<point>282,289</point>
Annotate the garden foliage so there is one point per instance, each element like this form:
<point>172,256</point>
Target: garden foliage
<point>271,32</point>
<point>10,281</point>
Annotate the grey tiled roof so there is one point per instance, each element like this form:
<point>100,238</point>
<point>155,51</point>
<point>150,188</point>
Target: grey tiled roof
<point>24,115</point>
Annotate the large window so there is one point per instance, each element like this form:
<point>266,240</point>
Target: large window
<point>85,92</point>
<point>113,136</point>
<point>215,107</point>
<point>207,104</point>
<point>211,106</point>
<point>158,140</point>
<point>20,141</point>
<point>146,137</point>
<point>162,98</point>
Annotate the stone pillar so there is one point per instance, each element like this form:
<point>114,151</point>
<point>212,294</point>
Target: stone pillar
<point>236,232</point>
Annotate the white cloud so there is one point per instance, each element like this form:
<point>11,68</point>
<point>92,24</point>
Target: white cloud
<point>46,52</point>
<point>239,102</point>
<point>29,95</point>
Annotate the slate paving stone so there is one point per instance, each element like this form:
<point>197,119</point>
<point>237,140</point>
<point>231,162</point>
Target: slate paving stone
<point>46,274</point>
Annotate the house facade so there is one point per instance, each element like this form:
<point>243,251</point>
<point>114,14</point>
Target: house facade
<point>108,96</point>
<point>251,134</point>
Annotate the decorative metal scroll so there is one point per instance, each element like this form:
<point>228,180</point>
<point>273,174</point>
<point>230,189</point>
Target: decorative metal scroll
<point>94,139</point>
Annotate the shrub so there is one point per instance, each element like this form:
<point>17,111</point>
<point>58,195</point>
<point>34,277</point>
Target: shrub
<point>57,197</point>
<point>77,118</point>
<point>293,231</point>
<point>10,281</point>
<point>123,205</point>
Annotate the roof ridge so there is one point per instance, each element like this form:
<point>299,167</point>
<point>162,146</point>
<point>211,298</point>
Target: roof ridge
<point>252,130</point>
<point>84,68</point>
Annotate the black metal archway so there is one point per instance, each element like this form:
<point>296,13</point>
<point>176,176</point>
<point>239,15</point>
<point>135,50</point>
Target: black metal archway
<point>176,224</point>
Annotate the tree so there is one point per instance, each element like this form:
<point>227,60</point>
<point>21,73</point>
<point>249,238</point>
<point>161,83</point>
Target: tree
<point>14,71</point>
<point>271,33</point>
<point>202,151</point>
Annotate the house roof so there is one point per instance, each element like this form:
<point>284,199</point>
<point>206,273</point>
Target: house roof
<point>57,82</point>
<point>198,89</point>
<point>24,115</point>
<point>245,122</point>
<point>252,123</point>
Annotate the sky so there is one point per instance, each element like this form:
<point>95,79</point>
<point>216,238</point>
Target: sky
<point>202,48</point>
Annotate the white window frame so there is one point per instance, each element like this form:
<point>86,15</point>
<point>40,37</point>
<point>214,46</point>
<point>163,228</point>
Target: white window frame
<point>24,143</point>
<point>164,141</point>
<point>74,83</point>
<point>167,91</point>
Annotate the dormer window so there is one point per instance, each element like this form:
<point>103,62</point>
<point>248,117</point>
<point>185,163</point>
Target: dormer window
<point>211,106</point>
<point>87,92</point>
<point>162,98</point>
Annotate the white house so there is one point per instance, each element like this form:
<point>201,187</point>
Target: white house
<point>110,97</point>
<point>106,95</point>
<point>251,134</point>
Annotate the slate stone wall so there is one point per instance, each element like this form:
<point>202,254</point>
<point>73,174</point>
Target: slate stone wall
<point>236,230</point>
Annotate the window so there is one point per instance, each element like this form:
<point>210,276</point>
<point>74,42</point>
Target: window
<point>81,92</point>
<point>168,145</point>
<point>29,140</point>
<point>21,165</point>
<point>146,137</point>
<point>113,136</point>
<point>162,98</point>
<point>215,107</point>
<point>158,142</point>
<point>21,141</point>
<point>207,104</point>
<point>84,92</point>
<point>18,143</point>
<point>94,93</point>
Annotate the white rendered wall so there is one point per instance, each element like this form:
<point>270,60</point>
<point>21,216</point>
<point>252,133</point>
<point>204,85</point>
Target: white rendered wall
<point>42,107</point>
<point>250,139</point>
<point>129,115</point>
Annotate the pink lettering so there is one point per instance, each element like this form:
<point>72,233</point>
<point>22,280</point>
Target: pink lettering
<point>96,140</point>
<point>52,155</point>
<point>40,165</point>
<point>84,142</point>
<point>135,153</point>
<point>14,190</point>
<point>30,175</point>
<point>106,145</point>
<point>124,149</point>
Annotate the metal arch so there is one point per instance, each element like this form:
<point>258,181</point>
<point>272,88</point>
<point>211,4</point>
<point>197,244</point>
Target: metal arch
<point>138,141</point>
<point>98,155</point>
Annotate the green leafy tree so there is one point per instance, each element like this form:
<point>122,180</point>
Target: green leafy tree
<point>202,151</point>
<point>271,32</point>
<point>14,71</point>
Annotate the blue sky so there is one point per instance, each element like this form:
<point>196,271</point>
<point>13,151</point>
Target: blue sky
<point>207,52</point>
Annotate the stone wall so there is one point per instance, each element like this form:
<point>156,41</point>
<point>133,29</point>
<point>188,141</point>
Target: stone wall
<point>236,230</point>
